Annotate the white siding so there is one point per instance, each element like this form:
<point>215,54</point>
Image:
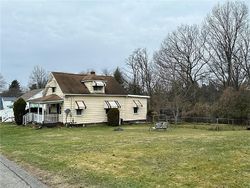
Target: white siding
<point>95,112</point>
<point>53,83</point>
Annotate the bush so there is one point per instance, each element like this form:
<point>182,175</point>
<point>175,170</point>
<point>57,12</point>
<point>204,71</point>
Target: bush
<point>113,117</point>
<point>234,104</point>
<point>19,110</point>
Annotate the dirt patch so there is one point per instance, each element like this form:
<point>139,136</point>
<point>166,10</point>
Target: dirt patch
<point>49,179</point>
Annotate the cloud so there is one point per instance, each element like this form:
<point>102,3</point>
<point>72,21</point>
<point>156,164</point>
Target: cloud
<point>76,35</point>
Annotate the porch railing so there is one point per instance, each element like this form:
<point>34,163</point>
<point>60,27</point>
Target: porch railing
<point>40,118</point>
<point>51,118</point>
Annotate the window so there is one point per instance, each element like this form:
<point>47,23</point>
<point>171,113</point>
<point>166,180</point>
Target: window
<point>135,110</point>
<point>97,88</point>
<point>78,112</point>
<point>53,89</point>
<point>107,110</point>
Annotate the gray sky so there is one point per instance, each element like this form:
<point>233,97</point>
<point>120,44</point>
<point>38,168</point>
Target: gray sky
<point>77,35</point>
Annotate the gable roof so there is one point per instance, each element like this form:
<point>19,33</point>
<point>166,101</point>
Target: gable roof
<point>73,83</point>
<point>29,94</point>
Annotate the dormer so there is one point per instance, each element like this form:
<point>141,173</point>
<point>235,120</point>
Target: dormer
<point>94,83</point>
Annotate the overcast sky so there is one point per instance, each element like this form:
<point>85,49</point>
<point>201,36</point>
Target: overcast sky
<point>78,35</point>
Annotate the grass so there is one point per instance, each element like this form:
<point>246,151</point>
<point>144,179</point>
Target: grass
<point>135,157</point>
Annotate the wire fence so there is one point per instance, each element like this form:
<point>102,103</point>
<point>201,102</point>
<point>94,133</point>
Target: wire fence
<point>213,120</point>
<point>209,120</point>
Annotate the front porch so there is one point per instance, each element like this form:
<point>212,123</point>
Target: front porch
<point>39,118</point>
<point>44,110</point>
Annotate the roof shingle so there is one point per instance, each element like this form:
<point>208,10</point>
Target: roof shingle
<point>30,94</point>
<point>73,83</point>
<point>48,98</point>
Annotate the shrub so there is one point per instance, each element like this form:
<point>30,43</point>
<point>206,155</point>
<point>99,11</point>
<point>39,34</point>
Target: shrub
<point>19,110</point>
<point>234,104</point>
<point>113,117</point>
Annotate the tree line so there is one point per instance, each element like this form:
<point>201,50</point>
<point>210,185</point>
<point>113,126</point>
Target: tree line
<point>37,80</point>
<point>199,70</point>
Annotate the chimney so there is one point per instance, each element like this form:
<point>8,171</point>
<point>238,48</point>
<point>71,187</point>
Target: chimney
<point>92,72</point>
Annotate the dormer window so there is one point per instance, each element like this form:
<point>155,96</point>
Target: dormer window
<point>97,88</point>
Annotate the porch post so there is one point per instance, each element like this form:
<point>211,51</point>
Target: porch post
<point>43,112</point>
<point>29,107</point>
<point>38,117</point>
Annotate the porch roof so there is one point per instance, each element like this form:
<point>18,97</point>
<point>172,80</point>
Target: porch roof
<point>53,98</point>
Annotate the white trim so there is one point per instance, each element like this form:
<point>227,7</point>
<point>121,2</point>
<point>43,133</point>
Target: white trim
<point>139,96</point>
<point>46,102</point>
<point>107,95</point>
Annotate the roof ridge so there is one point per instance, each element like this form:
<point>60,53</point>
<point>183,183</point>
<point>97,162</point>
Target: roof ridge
<point>80,74</point>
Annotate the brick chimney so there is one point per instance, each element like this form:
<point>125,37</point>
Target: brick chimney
<point>92,72</point>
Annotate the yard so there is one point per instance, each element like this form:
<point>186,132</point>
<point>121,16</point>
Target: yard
<point>135,157</point>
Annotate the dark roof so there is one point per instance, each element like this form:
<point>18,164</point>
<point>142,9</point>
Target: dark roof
<point>48,98</point>
<point>73,83</point>
<point>30,94</point>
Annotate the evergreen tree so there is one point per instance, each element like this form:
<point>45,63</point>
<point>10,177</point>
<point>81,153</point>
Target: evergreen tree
<point>118,76</point>
<point>15,89</point>
<point>19,110</point>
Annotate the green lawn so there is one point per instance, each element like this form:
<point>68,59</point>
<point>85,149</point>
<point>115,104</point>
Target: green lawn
<point>135,157</point>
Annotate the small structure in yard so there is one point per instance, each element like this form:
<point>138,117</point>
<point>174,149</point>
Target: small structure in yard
<point>161,126</point>
<point>89,97</point>
<point>6,109</point>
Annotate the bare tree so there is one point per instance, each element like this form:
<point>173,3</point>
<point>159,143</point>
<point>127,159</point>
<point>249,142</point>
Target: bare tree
<point>39,77</point>
<point>243,57</point>
<point>181,65</point>
<point>226,31</point>
<point>2,82</point>
<point>182,52</point>
<point>140,72</point>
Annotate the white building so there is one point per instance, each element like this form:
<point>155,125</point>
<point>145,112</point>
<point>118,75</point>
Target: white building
<point>87,97</point>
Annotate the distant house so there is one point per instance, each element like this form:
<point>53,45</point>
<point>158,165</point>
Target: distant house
<point>33,94</point>
<point>6,109</point>
<point>87,98</point>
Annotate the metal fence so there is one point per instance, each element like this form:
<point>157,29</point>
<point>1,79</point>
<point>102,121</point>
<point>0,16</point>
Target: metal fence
<point>210,120</point>
<point>215,120</point>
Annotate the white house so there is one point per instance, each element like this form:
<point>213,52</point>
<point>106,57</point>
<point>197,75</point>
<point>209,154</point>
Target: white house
<point>33,94</point>
<point>87,98</point>
<point>6,109</point>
